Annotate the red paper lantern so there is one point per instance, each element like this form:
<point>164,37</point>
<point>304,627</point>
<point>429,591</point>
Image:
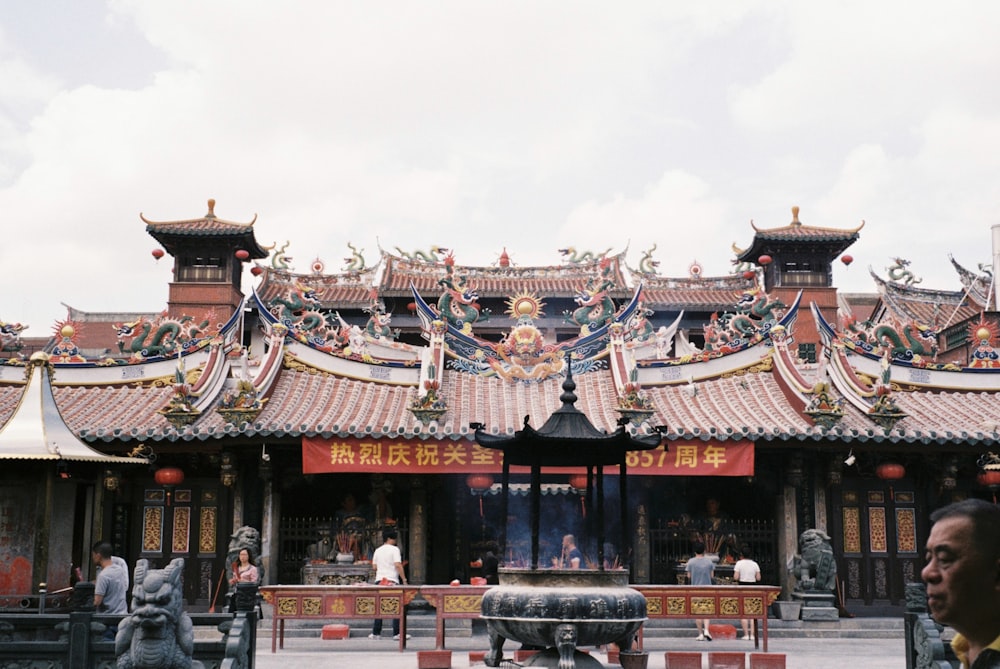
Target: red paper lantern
<point>157,253</point>
<point>169,476</point>
<point>890,471</point>
<point>989,478</point>
<point>479,482</point>
<point>764,259</point>
<point>749,274</point>
<point>578,481</point>
<point>242,255</point>
<point>256,270</point>
<point>847,259</point>
<point>411,307</point>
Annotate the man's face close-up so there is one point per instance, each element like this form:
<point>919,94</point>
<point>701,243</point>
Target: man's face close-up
<point>961,581</point>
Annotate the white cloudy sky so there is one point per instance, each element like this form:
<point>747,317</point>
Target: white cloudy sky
<point>479,125</point>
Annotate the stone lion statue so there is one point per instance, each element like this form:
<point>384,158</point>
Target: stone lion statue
<point>815,569</point>
<point>158,634</point>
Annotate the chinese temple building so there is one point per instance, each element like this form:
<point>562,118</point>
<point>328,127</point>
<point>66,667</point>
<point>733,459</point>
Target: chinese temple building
<point>325,405</point>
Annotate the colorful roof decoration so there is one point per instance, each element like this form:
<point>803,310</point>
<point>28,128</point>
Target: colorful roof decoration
<point>172,234</point>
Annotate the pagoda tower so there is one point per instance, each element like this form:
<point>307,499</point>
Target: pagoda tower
<point>209,254</point>
<point>798,257</point>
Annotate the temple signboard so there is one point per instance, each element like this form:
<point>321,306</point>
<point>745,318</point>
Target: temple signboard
<point>414,456</point>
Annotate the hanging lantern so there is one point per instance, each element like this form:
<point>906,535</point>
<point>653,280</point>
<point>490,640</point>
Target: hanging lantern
<point>479,483</point>
<point>411,307</point>
<point>989,478</point>
<point>749,274</point>
<point>847,259</point>
<point>256,270</point>
<point>169,476</point>
<point>242,255</point>
<point>578,482</point>
<point>157,253</point>
<point>764,260</point>
<point>890,471</point>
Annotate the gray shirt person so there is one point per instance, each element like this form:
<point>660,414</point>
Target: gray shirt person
<point>112,586</point>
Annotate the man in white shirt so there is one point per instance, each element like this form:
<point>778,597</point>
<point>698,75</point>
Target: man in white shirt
<point>388,563</point>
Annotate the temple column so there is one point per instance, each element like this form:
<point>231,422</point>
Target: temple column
<point>418,532</point>
<point>788,533</point>
<point>270,518</point>
<point>640,565</point>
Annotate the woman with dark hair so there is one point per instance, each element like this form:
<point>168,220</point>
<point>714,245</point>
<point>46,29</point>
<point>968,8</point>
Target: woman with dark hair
<point>244,570</point>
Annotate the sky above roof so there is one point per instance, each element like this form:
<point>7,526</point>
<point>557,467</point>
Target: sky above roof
<point>478,126</point>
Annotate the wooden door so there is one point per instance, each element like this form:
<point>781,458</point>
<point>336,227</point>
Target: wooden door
<point>875,536</point>
<point>187,522</point>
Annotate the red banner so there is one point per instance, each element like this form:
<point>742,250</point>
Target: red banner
<point>412,456</point>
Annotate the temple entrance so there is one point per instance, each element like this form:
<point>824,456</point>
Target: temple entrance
<point>186,522</point>
<point>875,529</point>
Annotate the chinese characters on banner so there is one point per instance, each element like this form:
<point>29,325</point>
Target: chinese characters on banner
<point>410,456</point>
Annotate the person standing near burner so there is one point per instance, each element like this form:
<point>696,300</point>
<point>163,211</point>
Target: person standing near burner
<point>388,564</point>
<point>700,571</point>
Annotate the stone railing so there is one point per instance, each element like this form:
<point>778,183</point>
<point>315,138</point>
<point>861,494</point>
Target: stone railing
<point>76,639</point>
<point>928,644</point>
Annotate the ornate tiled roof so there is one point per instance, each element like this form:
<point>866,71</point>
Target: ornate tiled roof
<point>978,286</point>
<point>835,239</point>
<point>702,293</point>
<point>549,281</point>
<point>924,306</point>
<point>307,401</point>
<point>169,232</point>
<point>347,290</point>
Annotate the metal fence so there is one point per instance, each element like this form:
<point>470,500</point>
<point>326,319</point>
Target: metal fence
<point>671,544</point>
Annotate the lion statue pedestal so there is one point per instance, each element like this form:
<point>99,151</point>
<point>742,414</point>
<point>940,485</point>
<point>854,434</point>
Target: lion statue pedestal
<point>815,573</point>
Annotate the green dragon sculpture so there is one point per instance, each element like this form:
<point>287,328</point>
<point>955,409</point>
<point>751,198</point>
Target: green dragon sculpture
<point>279,260</point>
<point>300,308</point>
<point>898,272</point>
<point>431,256</point>
<point>458,303</point>
<point>646,264</point>
<point>170,334</point>
<point>575,258</point>
<point>920,340</point>
<point>356,262</point>
<point>596,306</point>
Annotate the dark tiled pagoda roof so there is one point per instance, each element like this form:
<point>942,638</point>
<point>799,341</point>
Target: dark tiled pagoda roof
<point>834,240</point>
<point>172,234</point>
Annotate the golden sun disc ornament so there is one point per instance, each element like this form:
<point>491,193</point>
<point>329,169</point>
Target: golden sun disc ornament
<point>525,305</point>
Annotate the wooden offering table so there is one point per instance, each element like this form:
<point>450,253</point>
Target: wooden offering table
<point>452,602</point>
<point>711,601</point>
<point>325,602</point>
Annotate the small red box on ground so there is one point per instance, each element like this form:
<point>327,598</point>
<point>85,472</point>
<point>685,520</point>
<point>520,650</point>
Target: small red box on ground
<point>433,659</point>
<point>722,631</point>
<point>613,654</point>
<point>767,661</point>
<point>335,632</point>
<point>679,659</point>
<point>727,660</point>
<point>477,657</point>
<point>522,655</point>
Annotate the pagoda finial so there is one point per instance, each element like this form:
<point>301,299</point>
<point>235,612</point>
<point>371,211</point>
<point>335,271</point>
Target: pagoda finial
<point>211,208</point>
<point>568,397</point>
<point>795,216</point>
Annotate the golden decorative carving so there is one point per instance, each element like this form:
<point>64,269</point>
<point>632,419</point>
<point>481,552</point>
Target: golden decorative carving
<point>703,605</point>
<point>364,606</point>
<point>676,606</point>
<point>462,603</point>
<point>207,529</point>
<point>312,606</point>
<point>729,605</point>
<point>152,529</point>
<point>288,606</point>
